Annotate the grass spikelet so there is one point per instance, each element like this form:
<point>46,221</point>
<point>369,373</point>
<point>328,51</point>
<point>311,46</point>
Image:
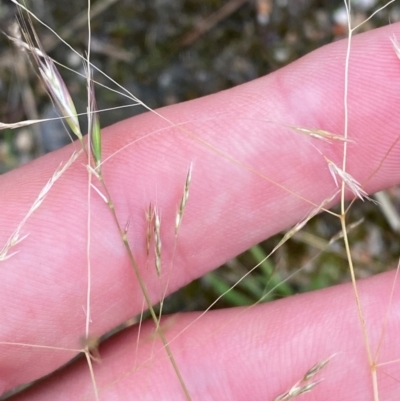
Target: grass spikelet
<point>94,125</point>
<point>157,241</point>
<point>53,81</point>
<point>16,237</point>
<point>305,384</point>
<point>349,180</point>
<point>149,220</point>
<point>349,228</point>
<point>185,197</point>
<point>316,369</point>
<point>297,390</point>
<point>321,134</point>
<point>60,94</point>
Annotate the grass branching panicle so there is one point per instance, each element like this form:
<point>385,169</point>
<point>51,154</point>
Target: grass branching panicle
<point>160,225</point>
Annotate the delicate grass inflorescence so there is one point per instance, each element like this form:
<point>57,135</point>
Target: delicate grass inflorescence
<point>170,197</point>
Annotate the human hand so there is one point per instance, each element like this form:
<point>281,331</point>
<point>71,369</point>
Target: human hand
<point>243,354</point>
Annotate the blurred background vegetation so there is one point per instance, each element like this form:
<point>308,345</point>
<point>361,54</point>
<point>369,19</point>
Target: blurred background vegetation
<point>166,52</point>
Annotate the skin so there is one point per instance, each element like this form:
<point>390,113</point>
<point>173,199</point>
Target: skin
<point>234,354</point>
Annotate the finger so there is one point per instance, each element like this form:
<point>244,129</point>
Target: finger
<point>251,179</point>
<point>243,354</point>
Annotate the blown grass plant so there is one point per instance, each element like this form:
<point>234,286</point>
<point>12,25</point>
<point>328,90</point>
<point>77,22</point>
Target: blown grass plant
<point>142,237</point>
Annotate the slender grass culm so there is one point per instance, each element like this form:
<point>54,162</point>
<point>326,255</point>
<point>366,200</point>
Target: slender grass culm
<point>98,237</point>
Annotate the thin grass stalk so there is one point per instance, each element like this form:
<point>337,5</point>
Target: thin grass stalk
<point>157,241</point>
<point>144,291</point>
<point>385,322</point>
<point>178,223</point>
<point>92,119</point>
<point>347,4</point>
<point>354,282</point>
<point>92,377</point>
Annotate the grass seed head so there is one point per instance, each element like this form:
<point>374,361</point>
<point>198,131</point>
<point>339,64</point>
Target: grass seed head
<point>321,134</point>
<point>185,197</point>
<point>16,237</point>
<point>94,127</point>
<point>305,384</point>
<point>59,93</point>
<point>157,241</point>
<point>349,180</point>
<point>51,77</point>
<point>316,369</point>
<point>149,219</point>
